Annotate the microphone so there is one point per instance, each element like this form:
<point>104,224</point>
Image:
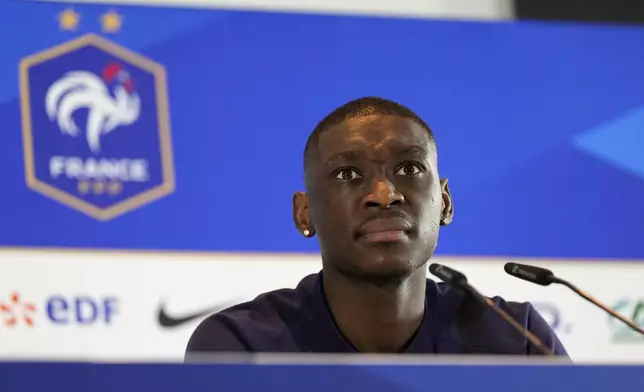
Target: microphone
<point>546,277</point>
<point>458,280</point>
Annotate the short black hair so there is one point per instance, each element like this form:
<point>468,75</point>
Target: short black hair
<point>358,108</point>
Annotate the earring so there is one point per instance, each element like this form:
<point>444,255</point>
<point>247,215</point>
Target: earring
<point>306,232</point>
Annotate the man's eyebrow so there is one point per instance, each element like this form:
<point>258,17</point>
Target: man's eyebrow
<point>415,150</point>
<point>343,156</point>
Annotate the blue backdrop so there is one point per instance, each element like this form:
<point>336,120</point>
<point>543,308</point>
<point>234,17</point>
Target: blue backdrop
<point>540,127</point>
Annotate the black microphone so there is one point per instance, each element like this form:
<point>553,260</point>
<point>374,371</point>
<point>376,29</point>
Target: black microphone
<point>448,275</point>
<point>458,280</point>
<point>529,273</point>
<point>546,277</point>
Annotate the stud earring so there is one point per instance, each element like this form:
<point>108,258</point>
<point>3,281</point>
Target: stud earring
<point>307,233</point>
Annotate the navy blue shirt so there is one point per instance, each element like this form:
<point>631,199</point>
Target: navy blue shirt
<point>299,320</point>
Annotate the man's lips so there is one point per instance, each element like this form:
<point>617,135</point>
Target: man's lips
<point>384,230</point>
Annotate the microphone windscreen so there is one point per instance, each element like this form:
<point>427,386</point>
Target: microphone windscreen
<point>447,275</point>
<point>530,273</point>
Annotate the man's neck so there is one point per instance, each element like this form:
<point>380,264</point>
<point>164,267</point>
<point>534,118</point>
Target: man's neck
<point>374,318</point>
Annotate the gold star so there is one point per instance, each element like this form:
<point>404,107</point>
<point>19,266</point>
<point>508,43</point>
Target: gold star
<point>83,187</point>
<point>111,22</point>
<point>99,187</point>
<point>68,19</point>
<point>114,188</point>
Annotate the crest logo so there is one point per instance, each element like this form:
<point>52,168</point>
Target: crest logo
<point>96,129</point>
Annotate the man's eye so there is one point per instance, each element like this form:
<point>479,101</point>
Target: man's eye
<point>347,175</point>
<point>409,169</point>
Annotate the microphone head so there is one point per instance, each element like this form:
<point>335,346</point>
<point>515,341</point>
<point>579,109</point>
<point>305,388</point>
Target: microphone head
<point>530,273</point>
<point>448,275</point>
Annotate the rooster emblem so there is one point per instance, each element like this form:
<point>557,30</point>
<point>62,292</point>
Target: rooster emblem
<point>85,90</point>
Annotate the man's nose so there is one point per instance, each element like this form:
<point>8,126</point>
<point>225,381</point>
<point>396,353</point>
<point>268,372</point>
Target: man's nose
<point>383,194</point>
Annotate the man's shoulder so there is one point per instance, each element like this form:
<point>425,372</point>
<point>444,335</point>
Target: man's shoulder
<point>529,318</point>
<point>256,325</point>
<point>483,330</point>
<point>460,302</point>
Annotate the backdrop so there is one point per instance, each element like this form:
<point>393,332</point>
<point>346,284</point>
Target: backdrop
<point>539,126</point>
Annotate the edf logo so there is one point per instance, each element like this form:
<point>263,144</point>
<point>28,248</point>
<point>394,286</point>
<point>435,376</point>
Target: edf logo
<point>59,310</point>
<point>81,310</point>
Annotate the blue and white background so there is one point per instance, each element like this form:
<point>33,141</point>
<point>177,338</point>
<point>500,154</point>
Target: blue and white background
<point>540,129</point>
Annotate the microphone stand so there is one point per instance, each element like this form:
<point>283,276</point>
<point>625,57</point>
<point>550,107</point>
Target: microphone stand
<point>599,304</point>
<point>458,280</point>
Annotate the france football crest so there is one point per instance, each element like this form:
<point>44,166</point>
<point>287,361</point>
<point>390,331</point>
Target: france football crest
<point>95,125</point>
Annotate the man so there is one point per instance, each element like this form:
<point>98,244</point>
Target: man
<point>375,201</point>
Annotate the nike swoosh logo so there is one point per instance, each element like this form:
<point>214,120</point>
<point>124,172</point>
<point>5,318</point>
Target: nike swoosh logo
<point>170,321</point>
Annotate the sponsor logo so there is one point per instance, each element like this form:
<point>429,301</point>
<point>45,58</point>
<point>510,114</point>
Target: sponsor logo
<point>58,310</point>
<point>632,308</point>
<point>167,320</point>
<point>17,311</point>
<point>95,124</point>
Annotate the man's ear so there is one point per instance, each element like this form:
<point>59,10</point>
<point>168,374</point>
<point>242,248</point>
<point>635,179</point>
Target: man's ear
<point>447,212</point>
<point>301,214</point>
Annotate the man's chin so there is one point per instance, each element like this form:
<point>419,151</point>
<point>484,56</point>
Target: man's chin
<point>381,270</point>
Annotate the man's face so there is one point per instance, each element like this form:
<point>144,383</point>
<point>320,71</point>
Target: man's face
<point>374,197</point>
